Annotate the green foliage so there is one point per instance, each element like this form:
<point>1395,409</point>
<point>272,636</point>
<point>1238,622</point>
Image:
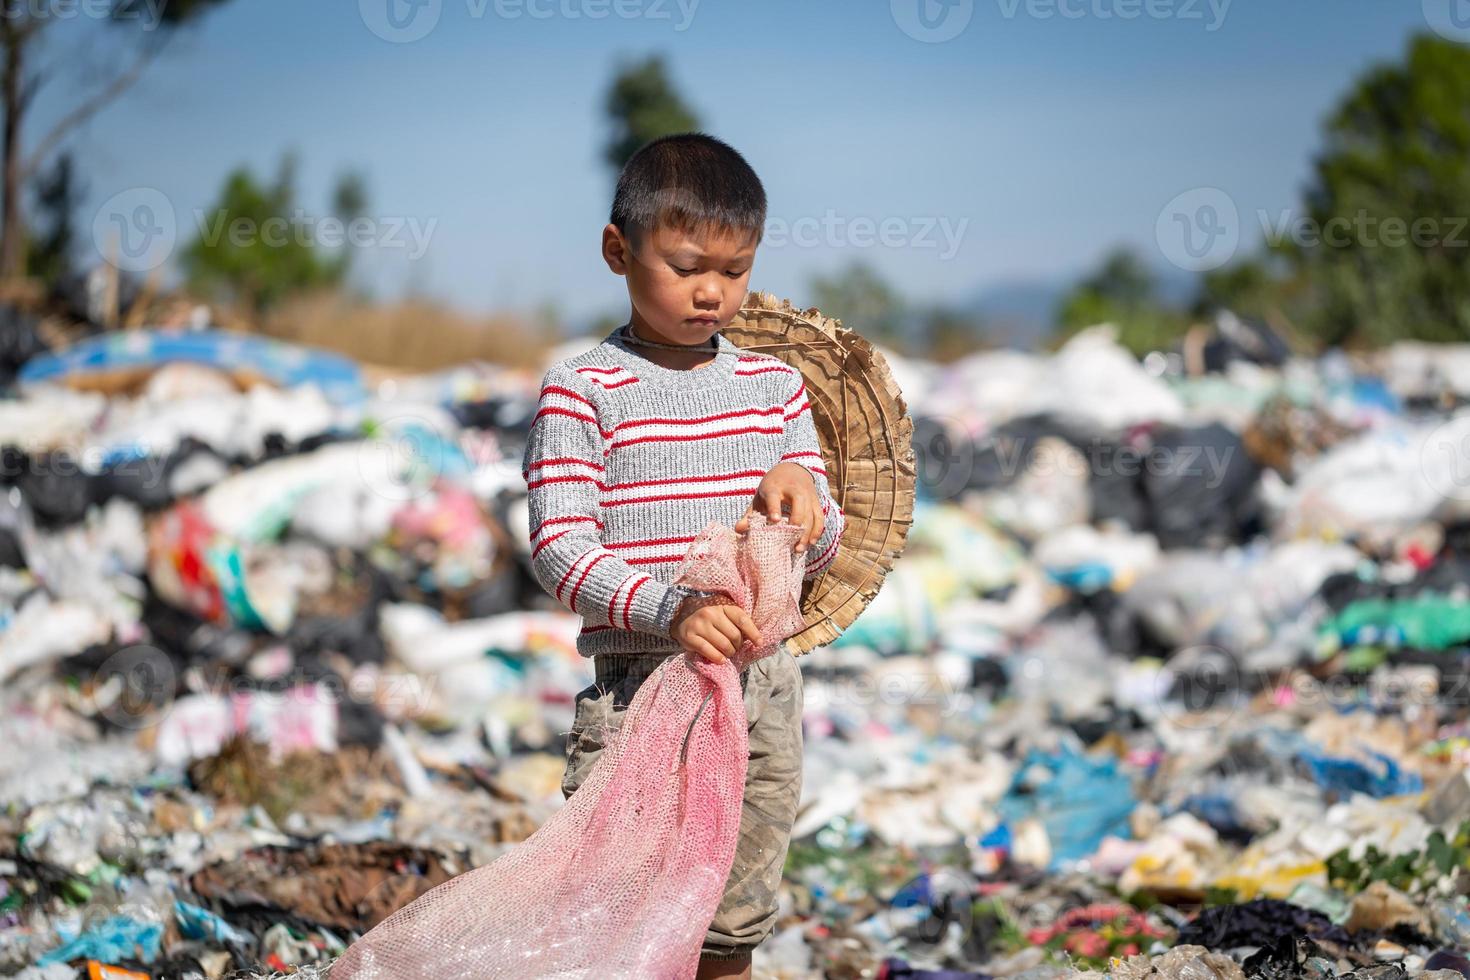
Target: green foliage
<point>950,334</point>
<point>1413,873</point>
<point>643,105</point>
<point>1216,895</point>
<point>1397,150</point>
<point>254,248</point>
<point>865,302</point>
<point>1248,288</point>
<point>1122,292</point>
<point>48,253</point>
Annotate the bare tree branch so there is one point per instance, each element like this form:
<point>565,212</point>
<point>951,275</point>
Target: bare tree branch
<point>90,107</point>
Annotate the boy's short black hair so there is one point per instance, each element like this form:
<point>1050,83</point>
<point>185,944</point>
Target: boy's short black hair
<point>692,182</point>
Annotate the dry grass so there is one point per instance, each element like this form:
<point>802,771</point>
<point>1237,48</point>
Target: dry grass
<point>415,335</point>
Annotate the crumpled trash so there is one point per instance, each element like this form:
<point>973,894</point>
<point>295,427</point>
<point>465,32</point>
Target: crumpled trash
<point>116,937</point>
<point>1079,799</point>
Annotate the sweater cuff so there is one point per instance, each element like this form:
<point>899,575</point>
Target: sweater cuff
<point>653,607</point>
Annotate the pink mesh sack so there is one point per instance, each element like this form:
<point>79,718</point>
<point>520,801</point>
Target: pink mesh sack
<point>624,879</point>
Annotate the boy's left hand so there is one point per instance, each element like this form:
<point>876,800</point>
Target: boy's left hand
<point>788,487</point>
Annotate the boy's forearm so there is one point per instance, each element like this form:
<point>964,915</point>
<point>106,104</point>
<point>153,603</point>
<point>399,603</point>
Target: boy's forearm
<point>824,549</point>
<point>564,470</point>
<point>585,577</point>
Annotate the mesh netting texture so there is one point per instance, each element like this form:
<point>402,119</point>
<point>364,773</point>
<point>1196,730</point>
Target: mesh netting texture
<point>625,878</point>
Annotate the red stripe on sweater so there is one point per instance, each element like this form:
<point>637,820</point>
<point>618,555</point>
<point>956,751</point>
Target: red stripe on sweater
<point>559,461</point>
<point>563,390</point>
<point>648,542</point>
<point>792,457</point>
<point>553,410</point>
<point>563,520</point>
<point>537,550</point>
<point>675,496</point>
<point>707,435</point>
<point>825,557</point>
<point>585,572</point>
<point>628,603</point>
<point>765,370</point>
<point>734,414</point>
<point>533,484</point>
<point>568,573</point>
<point>686,479</point>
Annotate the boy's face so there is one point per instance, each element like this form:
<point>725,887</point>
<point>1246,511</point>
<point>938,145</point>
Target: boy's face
<point>683,288</point>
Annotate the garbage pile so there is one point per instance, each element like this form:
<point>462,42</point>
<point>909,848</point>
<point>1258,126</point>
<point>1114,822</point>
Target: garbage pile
<point>1170,680</point>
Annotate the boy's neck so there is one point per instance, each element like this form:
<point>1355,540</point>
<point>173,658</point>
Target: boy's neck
<point>696,358</point>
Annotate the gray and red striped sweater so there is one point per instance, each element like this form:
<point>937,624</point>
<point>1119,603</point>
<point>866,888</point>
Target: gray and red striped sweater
<point>627,461</point>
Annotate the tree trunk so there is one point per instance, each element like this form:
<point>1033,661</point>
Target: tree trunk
<point>12,223</point>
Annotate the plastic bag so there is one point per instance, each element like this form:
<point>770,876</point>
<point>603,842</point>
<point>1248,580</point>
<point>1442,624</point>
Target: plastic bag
<point>626,877</point>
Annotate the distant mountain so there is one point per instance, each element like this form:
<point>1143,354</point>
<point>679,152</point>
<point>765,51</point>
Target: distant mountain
<point>1019,314</point>
<point>1022,313</point>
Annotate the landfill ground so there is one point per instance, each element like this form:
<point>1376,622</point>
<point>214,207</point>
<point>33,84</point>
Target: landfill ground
<point>1171,679</point>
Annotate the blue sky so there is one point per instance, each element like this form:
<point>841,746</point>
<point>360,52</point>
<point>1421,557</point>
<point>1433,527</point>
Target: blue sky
<point>1038,136</point>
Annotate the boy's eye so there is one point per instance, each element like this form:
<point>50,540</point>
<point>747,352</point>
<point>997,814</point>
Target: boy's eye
<point>682,272</point>
<point>736,275</point>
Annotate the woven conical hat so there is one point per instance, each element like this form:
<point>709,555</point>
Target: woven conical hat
<point>866,435</point>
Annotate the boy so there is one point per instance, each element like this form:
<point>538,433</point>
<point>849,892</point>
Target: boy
<point>634,449</point>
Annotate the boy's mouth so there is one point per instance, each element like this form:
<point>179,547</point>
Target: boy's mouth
<point>704,321</point>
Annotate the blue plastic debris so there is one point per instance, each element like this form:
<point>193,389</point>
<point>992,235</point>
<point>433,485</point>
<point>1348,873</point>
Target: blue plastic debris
<point>116,938</point>
<point>1078,799</point>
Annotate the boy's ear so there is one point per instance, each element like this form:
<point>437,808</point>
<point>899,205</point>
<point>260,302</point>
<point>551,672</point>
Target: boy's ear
<point>616,251</point>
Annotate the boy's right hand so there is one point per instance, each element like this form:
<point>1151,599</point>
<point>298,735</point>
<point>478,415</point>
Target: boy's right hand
<point>712,627</point>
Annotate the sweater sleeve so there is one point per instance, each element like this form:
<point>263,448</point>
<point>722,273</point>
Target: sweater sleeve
<point>801,447</point>
<point>564,468</point>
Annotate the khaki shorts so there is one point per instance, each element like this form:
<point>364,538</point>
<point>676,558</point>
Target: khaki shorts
<point>773,701</point>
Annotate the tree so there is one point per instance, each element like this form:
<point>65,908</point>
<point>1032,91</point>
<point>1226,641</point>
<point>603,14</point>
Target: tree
<point>1396,159</point>
<point>253,248</point>
<point>642,105</point>
<point>48,255</point>
<point>950,334</point>
<point>1247,287</point>
<point>862,300</point>
<point>23,26</point>
<point>1122,292</point>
